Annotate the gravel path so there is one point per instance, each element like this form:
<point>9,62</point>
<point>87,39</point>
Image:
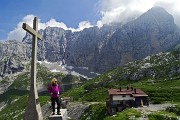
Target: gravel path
<point>152,108</point>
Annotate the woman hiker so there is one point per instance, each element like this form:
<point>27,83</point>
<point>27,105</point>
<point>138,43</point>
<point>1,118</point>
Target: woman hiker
<point>54,91</point>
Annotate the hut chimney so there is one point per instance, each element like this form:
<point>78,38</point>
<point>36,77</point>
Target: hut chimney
<point>134,90</point>
<point>127,88</point>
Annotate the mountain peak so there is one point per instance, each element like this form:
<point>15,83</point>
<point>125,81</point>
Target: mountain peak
<point>157,15</point>
<point>157,8</point>
<point>158,11</point>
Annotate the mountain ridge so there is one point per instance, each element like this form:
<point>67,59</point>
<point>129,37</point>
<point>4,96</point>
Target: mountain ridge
<point>101,49</point>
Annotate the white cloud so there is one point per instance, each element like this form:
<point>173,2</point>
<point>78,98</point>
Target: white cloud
<point>18,33</point>
<point>82,25</point>
<point>123,10</point>
<point>110,10</point>
<point>53,23</point>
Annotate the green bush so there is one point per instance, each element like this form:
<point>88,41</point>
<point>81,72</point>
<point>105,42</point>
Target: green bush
<point>75,93</point>
<point>95,112</point>
<point>162,116</point>
<point>175,109</point>
<point>14,110</point>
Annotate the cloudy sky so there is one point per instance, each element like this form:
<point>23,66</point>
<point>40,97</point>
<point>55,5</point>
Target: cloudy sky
<point>73,14</point>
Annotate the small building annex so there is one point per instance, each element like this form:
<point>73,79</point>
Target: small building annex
<point>120,99</point>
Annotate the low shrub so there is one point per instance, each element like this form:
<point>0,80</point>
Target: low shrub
<point>162,116</point>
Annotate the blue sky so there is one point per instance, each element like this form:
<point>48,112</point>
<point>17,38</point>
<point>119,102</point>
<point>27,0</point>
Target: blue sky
<point>73,14</point>
<point>70,12</point>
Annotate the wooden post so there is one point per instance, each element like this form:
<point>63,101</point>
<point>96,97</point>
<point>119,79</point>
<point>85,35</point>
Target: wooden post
<point>33,109</point>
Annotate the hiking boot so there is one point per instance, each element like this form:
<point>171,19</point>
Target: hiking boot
<point>53,113</point>
<point>58,113</point>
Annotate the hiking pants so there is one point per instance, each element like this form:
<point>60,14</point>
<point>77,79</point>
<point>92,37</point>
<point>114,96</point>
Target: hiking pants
<point>53,101</point>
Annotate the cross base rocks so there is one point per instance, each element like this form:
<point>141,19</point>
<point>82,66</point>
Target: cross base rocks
<point>63,115</point>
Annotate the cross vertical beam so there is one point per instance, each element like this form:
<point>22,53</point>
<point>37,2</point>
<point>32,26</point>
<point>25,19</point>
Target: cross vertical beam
<point>33,109</point>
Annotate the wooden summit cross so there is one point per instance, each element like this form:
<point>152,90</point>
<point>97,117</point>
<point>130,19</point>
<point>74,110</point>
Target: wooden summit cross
<point>33,109</point>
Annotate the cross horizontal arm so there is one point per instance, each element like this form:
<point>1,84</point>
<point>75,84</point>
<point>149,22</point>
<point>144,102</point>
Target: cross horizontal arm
<point>31,31</point>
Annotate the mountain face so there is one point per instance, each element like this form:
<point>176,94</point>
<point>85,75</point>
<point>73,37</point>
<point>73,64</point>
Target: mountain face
<point>101,49</point>
<point>74,48</point>
<point>151,33</point>
<point>13,56</point>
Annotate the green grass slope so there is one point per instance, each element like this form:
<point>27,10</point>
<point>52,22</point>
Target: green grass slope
<point>15,97</point>
<point>157,75</point>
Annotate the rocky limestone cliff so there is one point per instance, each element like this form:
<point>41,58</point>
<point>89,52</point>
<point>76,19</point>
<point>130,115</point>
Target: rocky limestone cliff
<point>101,49</point>
<point>73,48</point>
<point>13,56</point>
<point>151,33</point>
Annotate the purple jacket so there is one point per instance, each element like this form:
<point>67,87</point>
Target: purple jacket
<point>54,90</point>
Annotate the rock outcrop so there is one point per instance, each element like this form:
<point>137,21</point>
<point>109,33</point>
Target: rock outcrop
<point>13,56</point>
<point>101,49</point>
